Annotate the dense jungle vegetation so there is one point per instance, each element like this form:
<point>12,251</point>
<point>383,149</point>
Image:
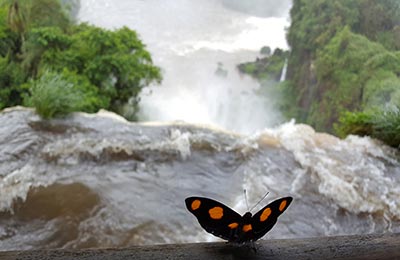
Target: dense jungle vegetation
<point>50,62</point>
<point>343,67</point>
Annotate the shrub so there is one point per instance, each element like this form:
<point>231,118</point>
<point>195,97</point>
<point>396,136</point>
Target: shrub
<point>383,124</point>
<point>57,95</point>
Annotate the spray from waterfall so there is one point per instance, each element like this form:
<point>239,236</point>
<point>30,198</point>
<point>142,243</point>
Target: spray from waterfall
<point>189,46</point>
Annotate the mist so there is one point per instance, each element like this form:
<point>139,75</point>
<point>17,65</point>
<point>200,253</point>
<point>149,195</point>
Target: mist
<point>194,92</point>
<point>262,8</point>
<point>188,39</point>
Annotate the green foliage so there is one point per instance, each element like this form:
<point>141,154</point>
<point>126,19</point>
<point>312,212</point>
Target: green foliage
<point>11,79</point>
<point>356,123</point>
<point>23,15</point>
<point>343,59</point>
<point>353,73</point>
<point>38,42</point>
<point>248,68</point>
<point>114,61</point>
<point>314,23</point>
<point>267,68</point>
<point>4,92</point>
<point>287,99</point>
<point>383,124</point>
<point>108,68</point>
<point>266,50</point>
<point>7,38</point>
<point>382,89</point>
<point>386,126</point>
<point>3,23</point>
<point>57,95</point>
<point>45,13</point>
<point>15,22</point>
<point>17,14</point>
<point>378,21</point>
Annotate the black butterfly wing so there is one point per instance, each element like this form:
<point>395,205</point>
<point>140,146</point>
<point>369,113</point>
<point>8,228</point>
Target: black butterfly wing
<point>214,217</point>
<point>265,219</point>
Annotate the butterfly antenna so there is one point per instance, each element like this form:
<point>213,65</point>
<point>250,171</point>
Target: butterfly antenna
<point>259,201</point>
<point>245,198</point>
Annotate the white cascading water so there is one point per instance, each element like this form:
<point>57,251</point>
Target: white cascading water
<point>188,39</point>
<point>284,70</point>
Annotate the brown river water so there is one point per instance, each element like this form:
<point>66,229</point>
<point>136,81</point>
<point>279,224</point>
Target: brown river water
<point>96,180</point>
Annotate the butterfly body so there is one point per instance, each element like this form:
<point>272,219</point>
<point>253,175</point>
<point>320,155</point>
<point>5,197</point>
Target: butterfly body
<point>223,222</point>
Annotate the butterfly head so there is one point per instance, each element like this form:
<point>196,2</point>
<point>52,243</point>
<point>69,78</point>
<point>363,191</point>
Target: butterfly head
<point>247,216</point>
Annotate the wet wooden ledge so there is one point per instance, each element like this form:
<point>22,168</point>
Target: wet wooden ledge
<point>374,246</point>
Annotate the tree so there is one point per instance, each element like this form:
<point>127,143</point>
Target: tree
<point>45,13</point>
<point>265,50</point>
<point>114,61</point>
<point>17,16</point>
<point>23,15</point>
<point>342,57</point>
<point>37,38</point>
<point>38,42</point>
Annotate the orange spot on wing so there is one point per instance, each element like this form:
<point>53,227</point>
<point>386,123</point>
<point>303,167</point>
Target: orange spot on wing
<point>283,205</point>
<point>265,214</point>
<point>247,228</point>
<point>233,225</point>
<point>216,212</point>
<point>195,204</point>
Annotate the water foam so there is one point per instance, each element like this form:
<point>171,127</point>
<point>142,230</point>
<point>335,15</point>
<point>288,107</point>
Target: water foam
<point>17,184</point>
<point>350,172</point>
<point>72,150</point>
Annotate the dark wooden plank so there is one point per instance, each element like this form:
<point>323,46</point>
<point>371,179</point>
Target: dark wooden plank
<point>376,246</point>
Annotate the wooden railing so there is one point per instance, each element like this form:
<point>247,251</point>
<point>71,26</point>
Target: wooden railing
<point>374,246</point>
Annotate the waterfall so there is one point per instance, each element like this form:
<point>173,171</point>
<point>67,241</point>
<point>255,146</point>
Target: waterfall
<point>188,47</point>
<point>284,70</point>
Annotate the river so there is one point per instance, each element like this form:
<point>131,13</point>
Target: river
<point>99,181</point>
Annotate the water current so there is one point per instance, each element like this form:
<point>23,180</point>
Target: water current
<point>99,181</point>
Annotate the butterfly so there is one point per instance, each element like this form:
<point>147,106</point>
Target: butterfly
<point>223,222</point>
